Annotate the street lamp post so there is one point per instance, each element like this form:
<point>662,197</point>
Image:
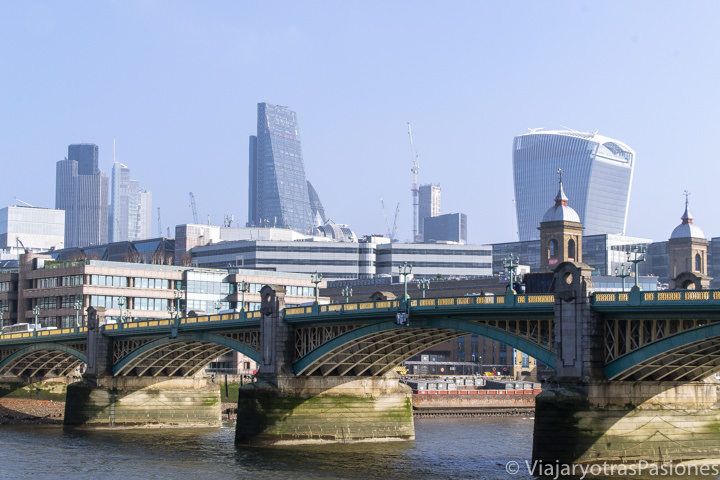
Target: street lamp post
<point>511,264</point>
<point>405,270</point>
<point>347,293</point>
<point>621,273</point>
<point>2,323</point>
<point>217,306</point>
<point>178,296</point>
<point>243,289</point>
<point>424,284</point>
<point>316,279</point>
<point>36,312</point>
<point>638,256</point>
<point>121,303</point>
<point>78,306</point>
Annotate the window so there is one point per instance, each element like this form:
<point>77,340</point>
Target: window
<point>698,263</point>
<point>72,280</point>
<point>47,282</point>
<point>571,249</point>
<point>47,303</point>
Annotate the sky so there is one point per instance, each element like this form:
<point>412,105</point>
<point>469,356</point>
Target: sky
<point>175,84</point>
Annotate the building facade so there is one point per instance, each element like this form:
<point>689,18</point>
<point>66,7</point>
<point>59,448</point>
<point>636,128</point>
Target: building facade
<point>81,190</point>
<point>278,190</point>
<point>63,290</point>
<point>451,227</point>
<point>131,207</point>
<point>598,175</point>
<point>428,205</point>
<point>32,228</point>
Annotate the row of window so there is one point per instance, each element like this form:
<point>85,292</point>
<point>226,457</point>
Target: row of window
<point>5,286</point>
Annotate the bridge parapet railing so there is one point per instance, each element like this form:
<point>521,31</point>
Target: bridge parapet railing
<point>42,333</point>
<point>660,297</point>
<point>202,319</point>
<point>530,299</point>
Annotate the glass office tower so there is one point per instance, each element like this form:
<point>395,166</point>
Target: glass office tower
<point>597,175</point>
<point>278,190</point>
<point>82,192</point>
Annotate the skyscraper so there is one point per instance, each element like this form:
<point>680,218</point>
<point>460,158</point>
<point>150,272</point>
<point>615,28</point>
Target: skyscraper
<point>597,175</point>
<point>278,190</point>
<point>83,196</point>
<point>131,207</point>
<point>429,205</point>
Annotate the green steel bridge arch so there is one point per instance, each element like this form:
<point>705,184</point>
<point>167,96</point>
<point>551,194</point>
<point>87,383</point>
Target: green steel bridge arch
<point>41,359</point>
<point>690,355</point>
<point>181,356</point>
<point>375,349</point>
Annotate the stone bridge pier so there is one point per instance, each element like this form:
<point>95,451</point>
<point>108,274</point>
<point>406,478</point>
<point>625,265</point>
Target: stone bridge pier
<point>584,418</point>
<point>102,400</point>
<point>282,408</point>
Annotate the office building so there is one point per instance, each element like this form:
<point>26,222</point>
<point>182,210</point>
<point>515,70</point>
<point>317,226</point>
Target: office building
<point>428,205</point>
<point>63,290</point>
<point>451,227</point>
<point>131,208</point>
<point>32,228</point>
<point>278,190</point>
<point>81,190</point>
<point>597,174</point>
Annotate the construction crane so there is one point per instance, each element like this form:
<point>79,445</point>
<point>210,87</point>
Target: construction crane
<point>19,243</point>
<point>159,224</point>
<point>391,231</point>
<point>194,209</point>
<point>26,203</point>
<point>415,169</point>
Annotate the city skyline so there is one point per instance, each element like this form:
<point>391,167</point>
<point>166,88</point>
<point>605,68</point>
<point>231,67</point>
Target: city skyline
<point>355,95</point>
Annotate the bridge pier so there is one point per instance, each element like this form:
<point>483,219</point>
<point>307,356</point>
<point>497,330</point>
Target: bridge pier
<point>626,422</point>
<point>102,400</point>
<point>131,402</point>
<point>282,409</point>
<point>584,418</point>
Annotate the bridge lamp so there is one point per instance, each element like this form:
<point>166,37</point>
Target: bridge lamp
<point>2,323</point>
<point>243,287</point>
<point>77,305</point>
<point>638,256</point>
<point>621,273</point>
<point>217,305</point>
<point>405,270</point>
<point>178,296</point>
<point>347,292</point>
<point>121,303</point>
<point>316,279</point>
<point>511,264</point>
<point>423,284</point>
<point>36,312</point>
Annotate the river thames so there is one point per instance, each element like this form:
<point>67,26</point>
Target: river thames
<point>445,448</point>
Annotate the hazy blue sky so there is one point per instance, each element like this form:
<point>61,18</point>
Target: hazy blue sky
<point>177,83</point>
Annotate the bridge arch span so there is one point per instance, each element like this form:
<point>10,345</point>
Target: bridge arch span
<point>182,356</point>
<point>42,359</point>
<point>690,355</point>
<point>375,349</point>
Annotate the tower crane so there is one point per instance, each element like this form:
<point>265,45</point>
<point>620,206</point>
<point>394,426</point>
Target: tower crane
<point>194,209</point>
<point>415,169</point>
<point>391,231</point>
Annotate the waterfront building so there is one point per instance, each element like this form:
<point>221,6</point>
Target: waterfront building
<point>135,291</point>
<point>428,205</point>
<point>451,227</point>
<point>131,208</point>
<point>599,176</point>
<point>81,190</point>
<point>278,190</point>
<point>335,260</point>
